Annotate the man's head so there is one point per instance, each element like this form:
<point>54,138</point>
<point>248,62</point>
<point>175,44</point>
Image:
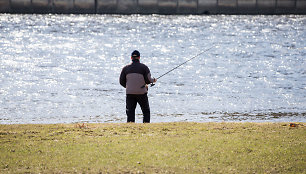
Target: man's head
<point>135,55</point>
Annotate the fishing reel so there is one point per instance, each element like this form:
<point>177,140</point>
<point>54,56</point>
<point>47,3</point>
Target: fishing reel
<point>151,84</point>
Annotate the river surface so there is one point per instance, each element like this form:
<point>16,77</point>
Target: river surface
<point>65,68</point>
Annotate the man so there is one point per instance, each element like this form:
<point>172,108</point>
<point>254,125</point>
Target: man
<point>134,77</point>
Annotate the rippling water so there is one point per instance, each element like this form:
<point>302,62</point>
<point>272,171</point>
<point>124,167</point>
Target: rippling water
<point>65,68</point>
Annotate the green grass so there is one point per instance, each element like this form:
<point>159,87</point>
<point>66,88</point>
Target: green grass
<point>153,148</point>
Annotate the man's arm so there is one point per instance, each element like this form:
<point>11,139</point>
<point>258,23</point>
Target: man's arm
<point>122,79</point>
<point>148,78</point>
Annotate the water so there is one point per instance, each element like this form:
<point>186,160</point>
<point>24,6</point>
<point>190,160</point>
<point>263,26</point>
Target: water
<point>65,68</point>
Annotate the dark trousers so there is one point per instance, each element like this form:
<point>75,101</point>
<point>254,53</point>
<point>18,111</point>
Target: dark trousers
<point>131,103</point>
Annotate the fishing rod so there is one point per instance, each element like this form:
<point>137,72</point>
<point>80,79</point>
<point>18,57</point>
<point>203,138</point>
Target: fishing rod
<point>152,84</point>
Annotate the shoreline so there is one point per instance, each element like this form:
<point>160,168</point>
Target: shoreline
<point>165,122</point>
<point>218,117</point>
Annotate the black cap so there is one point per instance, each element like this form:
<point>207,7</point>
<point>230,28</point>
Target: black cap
<point>135,53</point>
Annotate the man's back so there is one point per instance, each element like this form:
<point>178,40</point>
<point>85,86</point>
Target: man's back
<point>134,76</point>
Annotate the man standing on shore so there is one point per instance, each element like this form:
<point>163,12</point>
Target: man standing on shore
<point>133,77</point>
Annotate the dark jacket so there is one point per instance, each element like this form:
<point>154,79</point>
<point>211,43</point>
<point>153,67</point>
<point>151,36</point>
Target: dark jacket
<point>134,76</point>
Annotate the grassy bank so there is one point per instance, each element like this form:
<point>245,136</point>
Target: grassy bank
<point>153,148</point>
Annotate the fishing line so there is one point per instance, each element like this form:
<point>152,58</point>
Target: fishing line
<point>152,84</point>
